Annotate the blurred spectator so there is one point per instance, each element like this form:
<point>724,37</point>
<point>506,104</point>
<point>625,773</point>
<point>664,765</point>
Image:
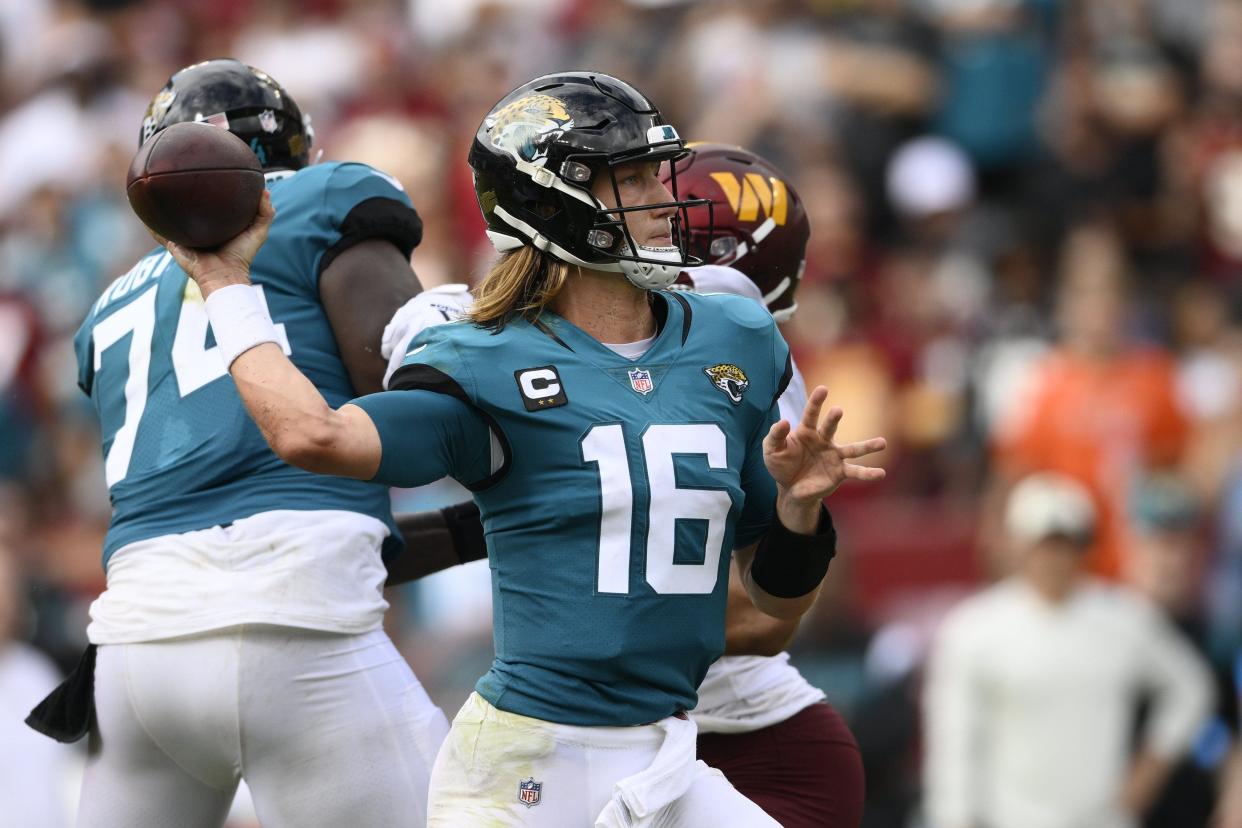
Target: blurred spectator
<point>930,177</point>
<point>1100,407</point>
<point>19,400</point>
<point>1168,569</point>
<point>996,56</point>
<point>35,772</point>
<point>1030,685</point>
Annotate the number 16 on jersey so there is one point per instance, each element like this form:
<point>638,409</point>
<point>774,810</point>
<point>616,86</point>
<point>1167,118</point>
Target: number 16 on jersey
<point>604,445</point>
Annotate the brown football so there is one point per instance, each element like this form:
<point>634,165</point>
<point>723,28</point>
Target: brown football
<point>196,184</point>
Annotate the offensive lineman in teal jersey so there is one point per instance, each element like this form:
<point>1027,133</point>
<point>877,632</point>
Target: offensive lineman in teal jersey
<point>168,471</point>
<point>614,479</point>
<point>240,631</point>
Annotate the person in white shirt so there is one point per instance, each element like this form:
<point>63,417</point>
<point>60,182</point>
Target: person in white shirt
<point>1031,686</point>
<point>36,774</point>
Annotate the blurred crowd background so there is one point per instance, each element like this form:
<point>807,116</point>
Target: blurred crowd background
<point>1026,255</point>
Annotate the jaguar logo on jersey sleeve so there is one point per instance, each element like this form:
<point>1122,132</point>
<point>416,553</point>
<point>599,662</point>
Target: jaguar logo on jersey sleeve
<point>729,379</point>
<point>522,127</point>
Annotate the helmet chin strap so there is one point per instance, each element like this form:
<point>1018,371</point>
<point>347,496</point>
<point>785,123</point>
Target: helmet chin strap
<point>652,276</point>
<point>660,271</point>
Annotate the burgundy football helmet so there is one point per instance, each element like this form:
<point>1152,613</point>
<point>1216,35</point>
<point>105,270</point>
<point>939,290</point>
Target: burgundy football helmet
<point>759,224</point>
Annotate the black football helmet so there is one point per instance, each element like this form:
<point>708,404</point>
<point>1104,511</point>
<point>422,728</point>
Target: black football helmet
<point>760,226</point>
<point>243,100</point>
<point>536,155</point>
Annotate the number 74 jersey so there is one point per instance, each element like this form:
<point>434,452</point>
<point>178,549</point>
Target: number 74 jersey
<point>618,490</point>
<point>180,452</point>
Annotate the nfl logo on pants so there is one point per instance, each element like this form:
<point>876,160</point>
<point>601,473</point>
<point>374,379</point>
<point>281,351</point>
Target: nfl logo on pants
<point>529,792</point>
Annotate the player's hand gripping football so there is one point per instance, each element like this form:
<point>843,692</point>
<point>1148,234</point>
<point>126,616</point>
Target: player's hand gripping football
<point>805,461</point>
<point>228,264</point>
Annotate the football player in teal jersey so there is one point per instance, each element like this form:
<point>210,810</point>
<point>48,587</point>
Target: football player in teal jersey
<point>621,441</point>
<point>240,631</point>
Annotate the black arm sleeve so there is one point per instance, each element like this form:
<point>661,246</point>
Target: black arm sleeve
<point>788,564</point>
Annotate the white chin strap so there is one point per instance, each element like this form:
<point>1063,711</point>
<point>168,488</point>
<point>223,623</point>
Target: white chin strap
<point>656,274</point>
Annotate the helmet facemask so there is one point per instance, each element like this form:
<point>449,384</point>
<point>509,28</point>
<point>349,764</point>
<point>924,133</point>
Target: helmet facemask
<point>650,268</point>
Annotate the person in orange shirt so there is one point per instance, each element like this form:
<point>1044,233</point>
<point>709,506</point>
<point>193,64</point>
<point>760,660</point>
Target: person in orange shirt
<point>1099,407</point>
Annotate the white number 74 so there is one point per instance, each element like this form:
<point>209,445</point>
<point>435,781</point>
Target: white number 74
<point>194,364</point>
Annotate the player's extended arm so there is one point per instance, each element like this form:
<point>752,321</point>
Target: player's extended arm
<point>749,631</point>
<point>783,572</point>
<point>437,540</point>
<point>299,425</point>
<point>360,290</point>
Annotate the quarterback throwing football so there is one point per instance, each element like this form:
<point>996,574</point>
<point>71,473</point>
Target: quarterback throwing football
<point>621,441</point>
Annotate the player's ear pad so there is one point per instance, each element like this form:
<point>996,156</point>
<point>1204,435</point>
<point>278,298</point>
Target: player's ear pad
<point>68,712</point>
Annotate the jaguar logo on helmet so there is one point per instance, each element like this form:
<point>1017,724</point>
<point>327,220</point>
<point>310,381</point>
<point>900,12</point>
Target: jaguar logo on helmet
<point>729,379</point>
<point>523,127</point>
<point>156,111</point>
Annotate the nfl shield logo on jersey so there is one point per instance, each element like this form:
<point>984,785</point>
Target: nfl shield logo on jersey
<point>530,792</point>
<point>640,381</point>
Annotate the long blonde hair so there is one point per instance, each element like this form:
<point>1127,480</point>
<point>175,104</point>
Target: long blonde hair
<point>520,283</point>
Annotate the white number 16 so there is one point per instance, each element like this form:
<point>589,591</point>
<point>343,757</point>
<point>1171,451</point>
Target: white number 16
<point>604,445</point>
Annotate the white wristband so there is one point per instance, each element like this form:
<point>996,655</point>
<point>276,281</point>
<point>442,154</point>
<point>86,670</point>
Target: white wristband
<point>240,320</point>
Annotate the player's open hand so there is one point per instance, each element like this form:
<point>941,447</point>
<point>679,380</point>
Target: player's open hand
<point>228,264</point>
<point>806,462</point>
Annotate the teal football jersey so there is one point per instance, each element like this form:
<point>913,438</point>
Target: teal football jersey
<point>180,451</point>
<point>614,496</point>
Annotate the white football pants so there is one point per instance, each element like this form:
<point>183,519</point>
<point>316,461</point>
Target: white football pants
<point>328,730</point>
<point>502,769</point>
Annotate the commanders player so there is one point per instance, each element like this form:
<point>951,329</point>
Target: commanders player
<point>760,722</point>
<point>239,635</point>
<point>620,440</point>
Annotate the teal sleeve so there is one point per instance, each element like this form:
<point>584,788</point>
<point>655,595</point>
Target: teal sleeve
<point>355,203</point>
<point>760,488</point>
<point>782,366</point>
<point>757,483</point>
<point>360,203</point>
<point>426,436</point>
